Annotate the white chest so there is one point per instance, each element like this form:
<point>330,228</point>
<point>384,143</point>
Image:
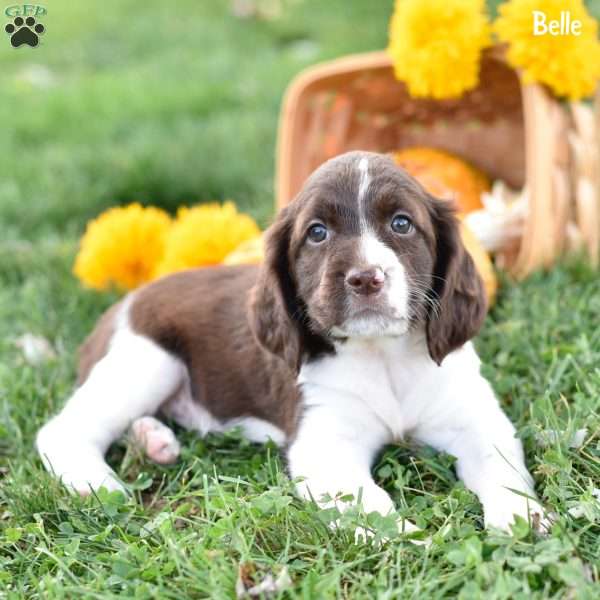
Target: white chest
<point>390,379</point>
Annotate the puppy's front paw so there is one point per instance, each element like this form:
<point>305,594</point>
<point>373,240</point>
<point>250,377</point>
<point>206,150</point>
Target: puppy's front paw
<point>500,513</point>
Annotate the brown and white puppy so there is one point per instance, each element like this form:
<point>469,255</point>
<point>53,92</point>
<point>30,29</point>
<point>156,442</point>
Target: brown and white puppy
<point>354,333</point>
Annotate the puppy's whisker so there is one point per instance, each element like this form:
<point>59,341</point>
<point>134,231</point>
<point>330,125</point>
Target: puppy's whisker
<point>426,279</point>
<point>423,295</point>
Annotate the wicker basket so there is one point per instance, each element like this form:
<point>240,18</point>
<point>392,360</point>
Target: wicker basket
<point>513,132</point>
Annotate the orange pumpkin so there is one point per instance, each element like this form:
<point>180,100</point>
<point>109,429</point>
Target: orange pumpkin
<point>445,175</point>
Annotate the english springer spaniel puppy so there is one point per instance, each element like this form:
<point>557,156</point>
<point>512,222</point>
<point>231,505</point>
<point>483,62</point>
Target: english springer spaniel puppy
<point>353,334</point>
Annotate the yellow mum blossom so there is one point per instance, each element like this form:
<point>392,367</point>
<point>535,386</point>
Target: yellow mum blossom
<point>121,247</point>
<point>205,235</point>
<point>568,64</point>
<point>436,45</point>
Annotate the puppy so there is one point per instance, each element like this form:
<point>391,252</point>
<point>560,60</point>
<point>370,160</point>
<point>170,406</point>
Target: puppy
<point>353,334</point>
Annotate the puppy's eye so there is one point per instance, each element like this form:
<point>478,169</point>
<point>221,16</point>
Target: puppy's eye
<point>317,233</point>
<point>402,225</point>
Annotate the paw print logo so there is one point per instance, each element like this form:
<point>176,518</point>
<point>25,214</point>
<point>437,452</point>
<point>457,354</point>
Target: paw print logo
<point>24,31</point>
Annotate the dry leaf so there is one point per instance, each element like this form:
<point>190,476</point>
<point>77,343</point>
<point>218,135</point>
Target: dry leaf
<point>551,437</point>
<point>499,224</point>
<point>35,348</point>
<point>247,588</point>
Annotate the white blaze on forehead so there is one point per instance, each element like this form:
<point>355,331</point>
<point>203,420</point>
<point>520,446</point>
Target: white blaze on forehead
<point>363,168</point>
<point>364,181</point>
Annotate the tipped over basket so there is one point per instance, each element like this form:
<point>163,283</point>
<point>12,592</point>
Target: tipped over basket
<point>513,132</point>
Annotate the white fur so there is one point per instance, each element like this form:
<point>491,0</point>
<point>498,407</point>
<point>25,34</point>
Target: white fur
<point>257,430</point>
<point>188,413</point>
<point>365,181</point>
<point>132,381</point>
<point>378,391</point>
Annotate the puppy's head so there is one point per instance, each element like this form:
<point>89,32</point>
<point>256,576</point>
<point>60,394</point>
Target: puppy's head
<point>364,251</point>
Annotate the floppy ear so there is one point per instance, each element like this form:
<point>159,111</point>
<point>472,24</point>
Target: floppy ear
<point>274,309</point>
<point>457,287</point>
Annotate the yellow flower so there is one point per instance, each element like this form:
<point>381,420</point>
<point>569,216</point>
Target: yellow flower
<point>121,247</point>
<point>436,45</point>
<point>205,235</point>
<point>569,64</point>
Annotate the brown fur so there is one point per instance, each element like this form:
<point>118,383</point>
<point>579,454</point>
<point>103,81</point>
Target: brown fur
<point>200,316</point>
<point>457,287</point>
<point>243,332</point>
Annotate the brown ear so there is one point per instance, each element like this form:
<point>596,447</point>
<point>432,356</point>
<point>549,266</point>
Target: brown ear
<point>274,309</point>
<point>457,288</point>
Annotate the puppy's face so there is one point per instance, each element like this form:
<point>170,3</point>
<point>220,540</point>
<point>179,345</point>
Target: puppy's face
<point>364,251</point>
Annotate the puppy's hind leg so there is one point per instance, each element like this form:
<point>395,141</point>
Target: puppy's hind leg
<point>132,380</point>
<point>156,440</point>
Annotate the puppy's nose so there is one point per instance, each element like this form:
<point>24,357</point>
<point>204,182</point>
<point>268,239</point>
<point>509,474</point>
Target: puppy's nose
<point>366,282</point>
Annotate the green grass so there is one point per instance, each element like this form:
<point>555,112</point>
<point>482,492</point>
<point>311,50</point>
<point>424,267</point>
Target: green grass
<point>121,81</point>
<point>139,101</point>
